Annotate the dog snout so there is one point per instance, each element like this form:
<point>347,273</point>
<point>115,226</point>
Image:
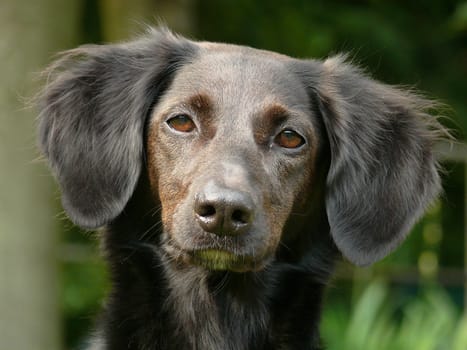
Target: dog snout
<point>224,211</point>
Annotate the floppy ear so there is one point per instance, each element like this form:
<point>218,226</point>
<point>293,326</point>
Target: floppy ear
<point>92,116</point>
<point>382,173</point>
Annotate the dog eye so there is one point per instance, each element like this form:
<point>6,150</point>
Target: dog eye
<point>182,123</point>
<point>289,139</point>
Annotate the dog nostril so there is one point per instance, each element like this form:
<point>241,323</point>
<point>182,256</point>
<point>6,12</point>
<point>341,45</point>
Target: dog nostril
<point>206,210</point>
<point>240,216</point>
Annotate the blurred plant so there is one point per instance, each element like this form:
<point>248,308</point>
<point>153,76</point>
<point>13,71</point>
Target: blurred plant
<point>427,322</point>
<point>84,285</point>
<point>459,18</point>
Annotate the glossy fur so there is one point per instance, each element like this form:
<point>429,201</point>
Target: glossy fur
<point>251,275</point>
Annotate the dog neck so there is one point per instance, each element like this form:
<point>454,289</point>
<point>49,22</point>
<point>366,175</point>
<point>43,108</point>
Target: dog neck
<point>218,310</point>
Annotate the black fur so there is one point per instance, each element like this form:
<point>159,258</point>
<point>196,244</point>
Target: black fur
<point>373,174</point>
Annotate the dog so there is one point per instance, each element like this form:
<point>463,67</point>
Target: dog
<point>229,181</point>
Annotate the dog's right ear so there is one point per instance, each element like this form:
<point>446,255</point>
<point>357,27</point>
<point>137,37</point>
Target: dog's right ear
<point>383,172</point>
<point>92,115</point>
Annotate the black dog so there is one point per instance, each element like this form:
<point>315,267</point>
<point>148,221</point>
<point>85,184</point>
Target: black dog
<point>229,180</point>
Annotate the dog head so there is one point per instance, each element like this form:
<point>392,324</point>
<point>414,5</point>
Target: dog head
<point>234,140</point>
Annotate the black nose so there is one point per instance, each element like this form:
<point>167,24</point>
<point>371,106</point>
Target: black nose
<point>223,211</point>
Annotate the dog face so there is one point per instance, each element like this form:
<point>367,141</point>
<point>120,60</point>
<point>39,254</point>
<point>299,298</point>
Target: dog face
<point>230,152</point>
<point>235,137</point>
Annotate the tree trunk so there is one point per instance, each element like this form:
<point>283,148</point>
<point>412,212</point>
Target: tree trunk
<point>30,32</point>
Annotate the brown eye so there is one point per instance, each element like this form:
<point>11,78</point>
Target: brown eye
<point>182,123</point>
<point>289,139</point>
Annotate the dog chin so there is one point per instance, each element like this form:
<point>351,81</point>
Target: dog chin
<point>221,260</point>
<point>215,259</point>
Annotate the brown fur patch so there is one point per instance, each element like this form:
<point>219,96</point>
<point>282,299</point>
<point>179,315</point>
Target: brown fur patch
<point>270,118</point>
<point>201,103</point>
<point>275,113</point>
<point>151,157</point>
<point>170,192</point>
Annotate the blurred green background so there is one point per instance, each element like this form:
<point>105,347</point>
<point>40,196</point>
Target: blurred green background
<point>52,279</point>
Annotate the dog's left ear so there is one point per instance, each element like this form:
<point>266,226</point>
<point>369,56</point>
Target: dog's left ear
<point>92,116</point>
<point>382,173</point>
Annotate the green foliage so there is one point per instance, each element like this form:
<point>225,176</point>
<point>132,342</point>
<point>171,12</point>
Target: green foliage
<point>426,322</point>
<point>84,286</point>
<point>459,19</point>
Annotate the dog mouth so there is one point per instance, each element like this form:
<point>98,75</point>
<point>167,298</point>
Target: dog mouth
<point>215,258</point>
<point>221,260</point>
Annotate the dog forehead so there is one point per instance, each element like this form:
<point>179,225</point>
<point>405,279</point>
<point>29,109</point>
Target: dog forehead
<point>238,75</point>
